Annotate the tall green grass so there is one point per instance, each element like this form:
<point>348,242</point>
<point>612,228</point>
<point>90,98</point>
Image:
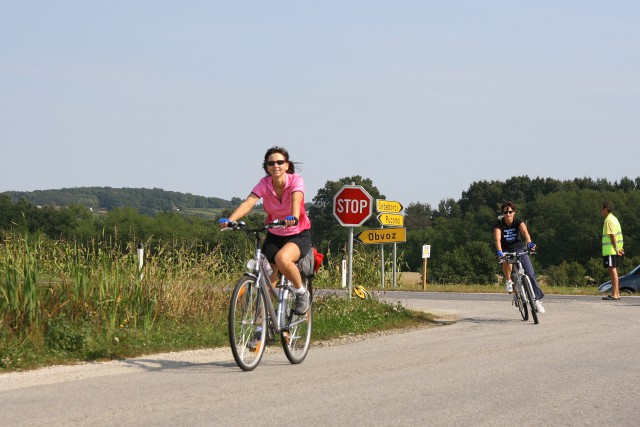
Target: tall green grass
<point>366,268</point>
<point>85,300</point>
<point>52,292</point>
<point>19,292</point>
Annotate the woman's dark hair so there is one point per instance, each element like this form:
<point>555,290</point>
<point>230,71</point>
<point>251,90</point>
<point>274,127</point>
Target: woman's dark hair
<point>279,150</point>
<point>508,205</point>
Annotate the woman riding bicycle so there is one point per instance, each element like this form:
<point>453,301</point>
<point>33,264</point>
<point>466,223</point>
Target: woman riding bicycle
<point>507,233</point>
<point>282,193</point>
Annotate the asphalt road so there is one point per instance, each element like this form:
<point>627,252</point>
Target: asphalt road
<point>483,366</point>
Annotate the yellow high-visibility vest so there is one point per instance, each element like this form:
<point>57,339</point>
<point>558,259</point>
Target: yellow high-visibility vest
<point>607,246</point>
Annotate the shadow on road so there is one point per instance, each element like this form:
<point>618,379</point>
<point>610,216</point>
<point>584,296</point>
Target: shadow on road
<point>151,364</point>
<point>486,320</point>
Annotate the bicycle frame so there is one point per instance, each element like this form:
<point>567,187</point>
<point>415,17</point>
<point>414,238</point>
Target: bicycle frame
<point>257,269</point>
<point>518,270</point>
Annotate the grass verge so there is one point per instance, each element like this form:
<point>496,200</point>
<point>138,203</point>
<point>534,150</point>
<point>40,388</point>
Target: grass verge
<point>67,342</point>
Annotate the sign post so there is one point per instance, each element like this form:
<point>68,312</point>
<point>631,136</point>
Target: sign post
<point>426,253</point>
<point>389,216</point>
<point>140,251</point>
<point>352,206</point>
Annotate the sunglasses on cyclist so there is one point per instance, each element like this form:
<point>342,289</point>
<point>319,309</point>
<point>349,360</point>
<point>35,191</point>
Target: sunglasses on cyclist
<point>276,162</point>
<point>507,212</point>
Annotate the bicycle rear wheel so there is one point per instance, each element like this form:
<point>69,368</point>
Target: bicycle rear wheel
<point>526,284</point>
<point>247,311</point>
<point>296,334</point>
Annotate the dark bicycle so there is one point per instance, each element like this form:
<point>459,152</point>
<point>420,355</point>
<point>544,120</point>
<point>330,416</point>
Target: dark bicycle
<point>523,295</point>
<point>253,317</point>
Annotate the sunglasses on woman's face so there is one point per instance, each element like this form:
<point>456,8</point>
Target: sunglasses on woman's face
<point>276,162</point>
<point>507,212</point>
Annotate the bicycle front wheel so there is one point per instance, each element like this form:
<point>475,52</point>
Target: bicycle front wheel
<point>528,288</point>
<point>296,335</point>
<point>521,302</point>
<point>247,312</point>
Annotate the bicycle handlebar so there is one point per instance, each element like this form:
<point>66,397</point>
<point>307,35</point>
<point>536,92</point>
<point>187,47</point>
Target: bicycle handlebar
<point>241,225</point>
<point>508,256</point>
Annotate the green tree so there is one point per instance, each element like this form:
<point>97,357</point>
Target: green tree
<point>127,225</point>
<point>482,193</point>
<point>565,226</point>
<point>418,216</point>
<point>473,262</point>
<point>448,208</point>
<point>9,213</point>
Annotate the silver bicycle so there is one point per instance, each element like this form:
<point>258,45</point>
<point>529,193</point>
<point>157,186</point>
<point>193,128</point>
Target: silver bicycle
<point>253,316</point>
<point>523,294</point>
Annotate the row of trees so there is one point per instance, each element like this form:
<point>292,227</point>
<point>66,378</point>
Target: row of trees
<point>147,201</point>
<point>562,216</point>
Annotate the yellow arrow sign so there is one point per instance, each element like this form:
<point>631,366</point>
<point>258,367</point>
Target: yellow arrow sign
<point>382,235</point>
<point>392,220</point>
<point>388,206</point>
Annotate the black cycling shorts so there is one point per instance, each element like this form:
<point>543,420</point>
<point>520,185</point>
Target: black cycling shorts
<point>273,243</point>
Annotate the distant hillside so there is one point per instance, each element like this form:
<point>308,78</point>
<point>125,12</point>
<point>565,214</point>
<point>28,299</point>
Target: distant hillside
<point>107,198</point>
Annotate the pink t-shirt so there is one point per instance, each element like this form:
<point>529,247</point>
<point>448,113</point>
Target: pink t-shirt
<point>281,208</point>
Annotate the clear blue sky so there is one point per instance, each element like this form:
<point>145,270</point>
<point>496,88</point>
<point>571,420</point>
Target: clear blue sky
<point>422,97</point>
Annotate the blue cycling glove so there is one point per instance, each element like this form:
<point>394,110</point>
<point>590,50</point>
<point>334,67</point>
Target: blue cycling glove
<point>500,254</point>
<point>531,245</point>
<point>223,221</point>
<point>291,218</point>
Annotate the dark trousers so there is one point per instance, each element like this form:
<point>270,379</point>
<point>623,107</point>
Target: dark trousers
<point>528,268</point>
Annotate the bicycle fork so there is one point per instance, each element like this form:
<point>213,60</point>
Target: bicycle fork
<point>519,296</point>
<point>283,295</point>
<point>285,313</point>
<point>519,286</point>
<point>284,288</point>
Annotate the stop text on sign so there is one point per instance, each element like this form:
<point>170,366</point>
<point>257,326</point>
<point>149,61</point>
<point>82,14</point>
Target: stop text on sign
<point>352,205</point>
<point>348,206</point>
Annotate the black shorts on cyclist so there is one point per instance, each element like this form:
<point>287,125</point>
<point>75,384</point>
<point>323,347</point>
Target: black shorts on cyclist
<point>273,243</point>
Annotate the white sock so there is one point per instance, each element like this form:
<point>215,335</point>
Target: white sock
<point>300,290</point>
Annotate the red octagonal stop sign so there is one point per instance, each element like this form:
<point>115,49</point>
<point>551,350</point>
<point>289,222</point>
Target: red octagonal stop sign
<point>352,205</point>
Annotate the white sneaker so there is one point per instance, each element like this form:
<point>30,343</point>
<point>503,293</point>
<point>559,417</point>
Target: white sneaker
<point>302,303</point>
<point>508,286</point>
<point>539,307</point>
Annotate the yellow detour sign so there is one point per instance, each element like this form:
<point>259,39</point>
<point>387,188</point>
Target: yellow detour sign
<point>391,220</point>
<point>388,206</point>
<point>382,235</point>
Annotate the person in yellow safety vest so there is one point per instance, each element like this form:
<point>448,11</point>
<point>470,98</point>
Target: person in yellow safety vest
<point>612,248</point>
